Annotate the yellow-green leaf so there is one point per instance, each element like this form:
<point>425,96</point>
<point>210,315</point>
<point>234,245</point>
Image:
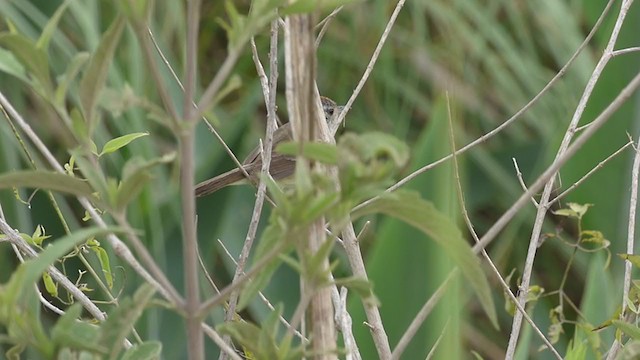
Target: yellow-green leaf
<point>120,142</point>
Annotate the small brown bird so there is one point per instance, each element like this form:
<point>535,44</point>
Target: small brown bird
<point>282,166</point>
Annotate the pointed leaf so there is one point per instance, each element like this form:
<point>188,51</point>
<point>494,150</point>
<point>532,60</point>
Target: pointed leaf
<point>120,322</point>
<point>50,28</point>
<point>96,74</point>
<point>410,208</point>
<point>69,76</point>
<point>38,179</point>
<point>10,65</point>
<point>120,142</point>
<point>33,59</point>
<point>76,334</point>
<point>629,329</point>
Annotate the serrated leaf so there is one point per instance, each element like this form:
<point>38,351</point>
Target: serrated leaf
<point>120,322</point>
<point>315,208</point>
<point>409,207</point>
<point>96,74</point>
<point>38,179</point>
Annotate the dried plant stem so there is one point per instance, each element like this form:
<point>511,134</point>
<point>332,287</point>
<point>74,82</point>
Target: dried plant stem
<point>631,229</point>
<point>472,231</point>
<point>212,129</point>
<point>269,90</point>
<point>306,118</point>
<point>195,336</point>
<point>542,209</point>
<point>591,172</point>
<point>372,61</point>
<point>378,333</point>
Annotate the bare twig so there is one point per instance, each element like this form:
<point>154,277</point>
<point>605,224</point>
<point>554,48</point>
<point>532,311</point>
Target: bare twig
<point>509,121</point>
<point>591,172</point>
<point>378,333</point>
<point>212,129</point>
<point>263,297</point>
<point>435,345</point>
<point>309,124</point>
<point>343,322</point>
<point>625,51</point>
<point>520,179</point>
<point>483,252</point>
<point>372,61</point>
<point>631,229</point>
<point>269,90</point>
<point>324,24</point>
<point>213,335</point>
<point>542,210</point>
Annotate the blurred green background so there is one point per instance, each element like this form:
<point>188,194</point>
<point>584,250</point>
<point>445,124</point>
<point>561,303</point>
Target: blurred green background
<point>490,56</point>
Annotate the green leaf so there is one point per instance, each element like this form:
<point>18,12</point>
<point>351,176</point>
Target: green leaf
<point>91,172</point>
<point>30,271</point>
<point>272,237</point>
<point>629,329</point>
<point>322,152</point>
<point>69,76</point>
<point>246,334</point>
<point>410,208</point>
<point>76,334</point>
<point>307,6</point>
<point>50,28</point>
<point>634,259</point>
<point>136,174</point>
<point>135,11</point>
<point>35,60</point>
<point>148,350</point>
<point>105,264</point>
<point>49,284</point>
<point>120,142</point>
<point>10,65</point>
<point>38,179</point>
<point>96,74</point>
<point>120,322</point>
<point>360,285</point>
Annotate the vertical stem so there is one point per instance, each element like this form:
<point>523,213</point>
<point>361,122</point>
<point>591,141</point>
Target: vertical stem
<point>305,118</point>
<point>195,336</point>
